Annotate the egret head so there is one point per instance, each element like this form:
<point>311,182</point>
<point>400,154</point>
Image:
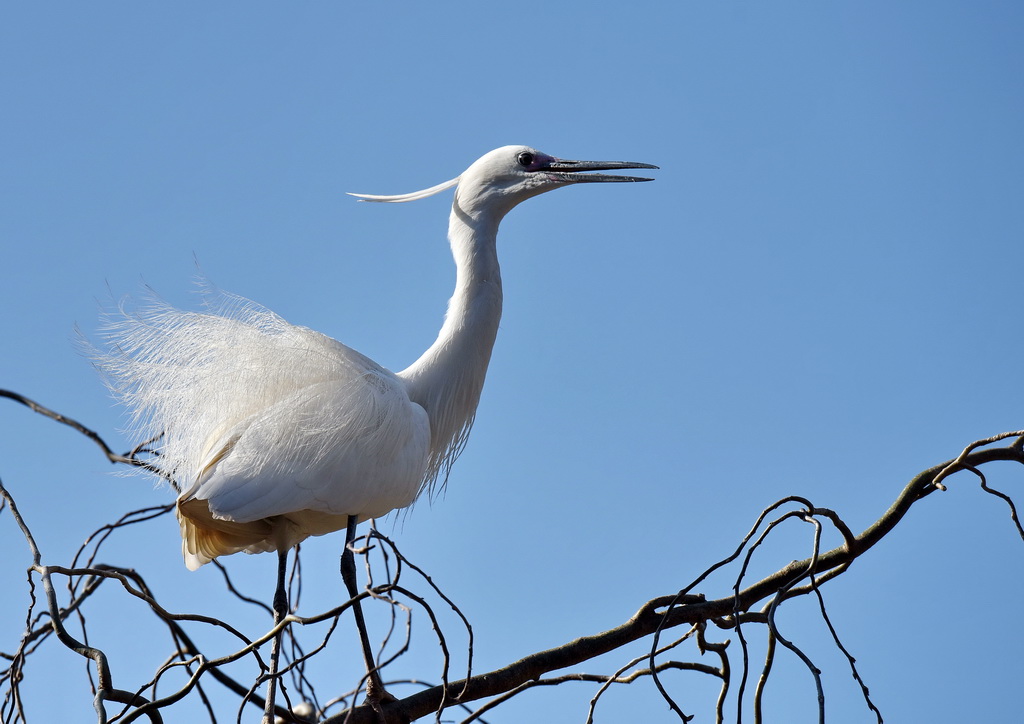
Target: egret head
<point>506,176</point>
<point>511,174</point>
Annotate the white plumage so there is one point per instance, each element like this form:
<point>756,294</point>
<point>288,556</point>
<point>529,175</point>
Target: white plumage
<point>275,432</point>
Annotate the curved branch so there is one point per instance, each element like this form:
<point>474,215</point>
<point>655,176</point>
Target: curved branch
<point>650,618</point>
<point>129,458</point>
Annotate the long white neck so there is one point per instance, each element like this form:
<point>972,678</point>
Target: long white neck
<point>448,378</point>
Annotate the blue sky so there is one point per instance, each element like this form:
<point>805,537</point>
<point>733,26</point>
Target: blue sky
<point>819,296</point>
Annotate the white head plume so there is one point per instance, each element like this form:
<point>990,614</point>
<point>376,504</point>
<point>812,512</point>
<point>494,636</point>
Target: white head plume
<point>399,198</point>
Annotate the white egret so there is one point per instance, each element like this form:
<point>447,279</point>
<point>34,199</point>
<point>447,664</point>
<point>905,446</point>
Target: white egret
<point>276,432</point>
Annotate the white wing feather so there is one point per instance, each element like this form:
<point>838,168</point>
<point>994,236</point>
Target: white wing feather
<point>263,418</point>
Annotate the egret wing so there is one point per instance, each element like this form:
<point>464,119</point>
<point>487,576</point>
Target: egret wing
<point>342,447</point>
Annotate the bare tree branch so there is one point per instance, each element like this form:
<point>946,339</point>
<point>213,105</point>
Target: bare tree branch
<point>187,660</point>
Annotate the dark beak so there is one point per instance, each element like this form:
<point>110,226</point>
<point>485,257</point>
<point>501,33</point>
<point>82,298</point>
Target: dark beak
<point>574,171</point>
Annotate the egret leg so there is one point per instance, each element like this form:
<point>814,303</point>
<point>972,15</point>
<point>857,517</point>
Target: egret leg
<point>375,692</point>
<point>280,611</point>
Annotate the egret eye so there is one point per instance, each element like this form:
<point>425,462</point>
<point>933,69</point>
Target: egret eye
<point>525,159</point>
